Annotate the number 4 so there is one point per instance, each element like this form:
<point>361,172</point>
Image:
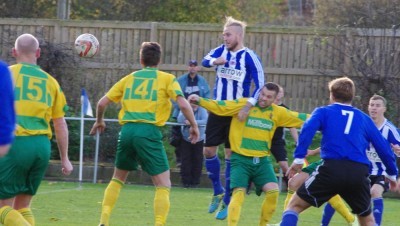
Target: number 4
<point>349,120</point>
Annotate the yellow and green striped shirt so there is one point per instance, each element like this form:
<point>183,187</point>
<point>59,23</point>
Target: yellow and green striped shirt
<point>145,96</point>
<point>253,136</point>
<point>38,99</point>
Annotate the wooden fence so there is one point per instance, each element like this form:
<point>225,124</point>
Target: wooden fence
<point>286,54</point>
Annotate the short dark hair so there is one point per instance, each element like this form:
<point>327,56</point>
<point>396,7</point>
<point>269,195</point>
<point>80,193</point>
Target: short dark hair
<point>272,86</point>
<point>379,97</point>
<point>342,89</point>
<point>150,53</point>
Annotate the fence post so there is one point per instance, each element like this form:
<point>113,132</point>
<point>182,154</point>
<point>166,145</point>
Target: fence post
<point>154,32</point>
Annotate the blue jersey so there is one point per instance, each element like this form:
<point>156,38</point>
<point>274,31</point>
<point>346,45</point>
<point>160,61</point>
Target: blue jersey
<point>388,131</point>
<point>7,113</point>
<point>233,79</point>
<point>346,134</point>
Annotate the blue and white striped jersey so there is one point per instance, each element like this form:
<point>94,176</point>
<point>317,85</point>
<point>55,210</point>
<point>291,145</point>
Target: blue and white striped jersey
<point>389,131</point>
<point>346,134</point>
<point>233,79</point>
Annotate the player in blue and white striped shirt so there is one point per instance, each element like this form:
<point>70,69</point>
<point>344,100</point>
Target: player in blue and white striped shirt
<point>346,134</point>
<point>236,67</point>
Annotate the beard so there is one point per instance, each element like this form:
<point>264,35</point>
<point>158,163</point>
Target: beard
<point>233,46</point>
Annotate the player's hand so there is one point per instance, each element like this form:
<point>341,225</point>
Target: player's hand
<point>293,170</point>
<point>66,167</point>
<point>220,61</point>
<point>194,134</point>
<point>193,98</point>
<point>396,149</point>
<point>98,126</point>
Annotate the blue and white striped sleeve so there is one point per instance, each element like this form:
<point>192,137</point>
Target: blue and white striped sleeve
<point>209,59</point>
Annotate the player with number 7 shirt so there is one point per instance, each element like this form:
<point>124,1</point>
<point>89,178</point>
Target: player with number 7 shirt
<point>346,134</point>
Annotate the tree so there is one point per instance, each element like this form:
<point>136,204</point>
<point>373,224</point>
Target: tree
<point>364,42</point>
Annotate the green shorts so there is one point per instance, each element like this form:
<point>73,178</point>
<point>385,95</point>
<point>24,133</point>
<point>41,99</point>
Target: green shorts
<point>251,169</point>
<point>312,167</point>
<point>141,143</point>
<point>23,168</point>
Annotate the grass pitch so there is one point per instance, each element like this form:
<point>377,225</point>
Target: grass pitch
<point>71,204</point>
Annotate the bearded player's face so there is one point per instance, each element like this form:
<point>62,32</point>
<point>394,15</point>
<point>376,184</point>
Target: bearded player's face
<point>231,36</point>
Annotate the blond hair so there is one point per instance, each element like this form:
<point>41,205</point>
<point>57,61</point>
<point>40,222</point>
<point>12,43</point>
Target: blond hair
<point>230,21</point>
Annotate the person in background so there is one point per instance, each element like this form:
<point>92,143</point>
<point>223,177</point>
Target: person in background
<point>192,154</point>
<point>191,83</point>
<point>7,113</point>
<point>278,143</point>
<point>145,99</point>
<point>38,101</point>
<point>236,66</point>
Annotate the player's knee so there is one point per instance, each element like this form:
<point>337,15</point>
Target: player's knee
<point>376,192</point>
<point>209,152</point>
<point>293,184</point>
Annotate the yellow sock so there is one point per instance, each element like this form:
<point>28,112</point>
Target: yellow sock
<point>288,197</point>
<point>269,206</point>
<point>11,217</point>
<point>161,205</point>
<point>235,206</point>
<point>28,215</point>
<point>111,195</point>
<point>338,204</point>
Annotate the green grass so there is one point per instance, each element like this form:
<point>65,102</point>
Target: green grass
<point>68,204</point>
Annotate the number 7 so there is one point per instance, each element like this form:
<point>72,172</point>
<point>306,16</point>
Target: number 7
<point>349,120</point>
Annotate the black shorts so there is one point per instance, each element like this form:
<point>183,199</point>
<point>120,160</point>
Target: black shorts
<point>347,178</point>
<point>381,180</point>
<point>279,152</point>
<point>217,130</point>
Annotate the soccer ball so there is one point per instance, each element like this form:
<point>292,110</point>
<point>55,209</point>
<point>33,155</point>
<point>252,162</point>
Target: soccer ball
<point>87,45</point>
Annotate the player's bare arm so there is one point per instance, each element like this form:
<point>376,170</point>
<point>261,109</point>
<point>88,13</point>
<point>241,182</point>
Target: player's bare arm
<point>61,132</point>
<point>100,125</point>
<point>187,111</point>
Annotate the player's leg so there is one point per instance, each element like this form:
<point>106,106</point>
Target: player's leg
<point>270,202</point>
<point>150,153</point>
<point>186,163</point>
<point>291,214</point>
<point>22,204</point>
<point>318,188</point>
<point>265,181</point>
<point>124,162</point>
<point>197,159</point>
<point>293,184</point>
<point>111,195</point>
<point>235,206</point>
<point>240,177</point>
<point>9,216</point>
<point>215,135</point>
<point>356,190</point>
<point>223,211</point>
<point>162,183</point>
<point>213,167</point>
<point>33,154</point>
<point>378,188</point>
<point>336,203</point>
